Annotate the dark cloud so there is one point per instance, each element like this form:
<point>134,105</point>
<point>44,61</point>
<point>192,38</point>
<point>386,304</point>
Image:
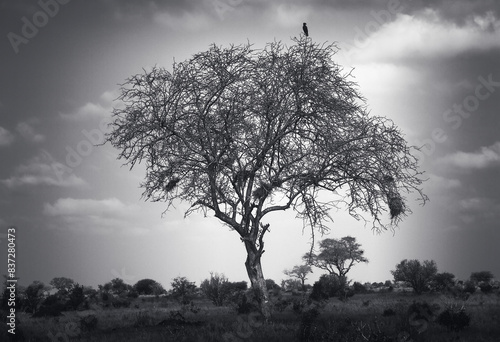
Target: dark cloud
<point>147,8</point>
<point>458,11</point>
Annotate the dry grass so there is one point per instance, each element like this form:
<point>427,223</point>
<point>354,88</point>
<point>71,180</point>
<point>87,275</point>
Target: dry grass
<point>361,318</point>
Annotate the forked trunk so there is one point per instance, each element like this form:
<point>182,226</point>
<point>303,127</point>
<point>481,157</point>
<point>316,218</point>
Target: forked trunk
<point>254,270</point>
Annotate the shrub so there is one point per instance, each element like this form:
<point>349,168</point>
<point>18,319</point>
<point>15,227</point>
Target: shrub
<point>143,319</point>
<point>442,281</point>
<point>244,302</point>
<point>121,302</point>
<point>389,312</point>
<point>148,287</point>
<point>420,314</point>
<point>330,286</point>
<point>52,306</point>
<point>469,287</point>
<point>183,290</point>
<point>291,284</point>
<point>359,288</point>
<point>88,323</point>
<point>306,323</point>
<point>33,296</point>
<point>272,287</point>
<point>76,298</point>
<point>281,304</point>
<point>417,275</point>
<point>486,288</point>
<point>132,294</point>
<point>216,289</point>
<point>454,318</point>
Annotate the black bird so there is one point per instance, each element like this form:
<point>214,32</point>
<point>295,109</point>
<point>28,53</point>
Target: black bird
<point>306,31</point>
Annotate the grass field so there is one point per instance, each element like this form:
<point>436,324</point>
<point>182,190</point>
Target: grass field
<point>364,317</point>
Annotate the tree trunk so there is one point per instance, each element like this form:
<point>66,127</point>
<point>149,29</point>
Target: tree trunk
<point>254,270</point>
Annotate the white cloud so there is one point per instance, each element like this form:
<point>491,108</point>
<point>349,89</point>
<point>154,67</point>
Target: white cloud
<point>486,156</point>
<point>185,22</point>
<point>28,132</point>
<point>438,183</point>
<point>99,109</point>
<point>475,209</point>
<point>43,170</point>
<point>6,138</point>
<point>290,15</point>
<point>110,96</point>
<point>426,36</point>
<point>103,216</point>
<point>88,111</point>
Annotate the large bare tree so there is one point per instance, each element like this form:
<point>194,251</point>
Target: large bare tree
<point>244,133</point>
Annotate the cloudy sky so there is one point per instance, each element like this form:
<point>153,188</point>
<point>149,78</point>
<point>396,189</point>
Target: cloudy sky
<point>431,66</point>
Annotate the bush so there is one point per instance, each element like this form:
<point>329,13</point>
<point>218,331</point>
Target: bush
<point>143,319</point>
<point>52,306</point>
<point>148,287</point>
<point>469,287</point>
<point>307,323</point>
<point>454,319</point>
<point>330,286</point>
<point>272,287</point>
<point>359,288</point>
<point>121,302</point>
<point>183,290</point>
<point>389,312</point>
<point>281,304</point>
<point>418,275</point>
<point>244,302</point>
<point>486,288</point>
<point>76,298</point>
<point>88,323</point>
<point>216,289</point>
<point>33,296</point>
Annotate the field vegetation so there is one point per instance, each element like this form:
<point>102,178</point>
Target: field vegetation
<point>369,312</point>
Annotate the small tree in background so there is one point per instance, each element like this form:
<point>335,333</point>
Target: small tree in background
<point>148,287</point>
<point>117,287</point>
<point>443,281</point>
<point>299,272</point>
<point>481,277</point>
<point>291,284</point>
<point>329,285</point>
<point>34,295</point>
<point>183,290</point>
<point>76,298</point>
<point>216,288</point>
<point>418,276</point>
<point>337,256</point>
<point>63,285</point>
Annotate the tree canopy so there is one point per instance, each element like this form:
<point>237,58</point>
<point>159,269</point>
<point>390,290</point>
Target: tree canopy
<point>418,275</point>
<point>299,272</point>
<point>243,133</point>
<point>337,256</point>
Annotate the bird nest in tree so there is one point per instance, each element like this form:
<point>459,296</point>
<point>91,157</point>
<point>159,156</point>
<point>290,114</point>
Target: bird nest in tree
<point>396,205</point>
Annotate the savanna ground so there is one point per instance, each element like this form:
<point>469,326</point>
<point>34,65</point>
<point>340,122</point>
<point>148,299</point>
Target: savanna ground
<point>364,317</point>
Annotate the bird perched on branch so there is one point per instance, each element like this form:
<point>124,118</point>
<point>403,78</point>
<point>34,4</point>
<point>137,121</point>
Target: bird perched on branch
<point>306,30</point>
